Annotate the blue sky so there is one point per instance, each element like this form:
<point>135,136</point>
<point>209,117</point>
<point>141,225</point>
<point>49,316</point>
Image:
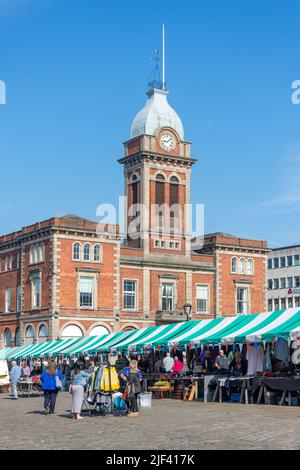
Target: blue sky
<point>76,73</point>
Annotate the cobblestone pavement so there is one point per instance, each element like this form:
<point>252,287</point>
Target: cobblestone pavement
<point>169,424</point>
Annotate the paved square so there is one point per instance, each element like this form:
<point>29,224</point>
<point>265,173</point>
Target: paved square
<point>169,424</point>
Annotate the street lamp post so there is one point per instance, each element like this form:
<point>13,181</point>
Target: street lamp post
<point>187,308</point>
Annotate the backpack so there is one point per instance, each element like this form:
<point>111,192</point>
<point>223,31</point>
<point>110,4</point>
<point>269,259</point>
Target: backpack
<point>120,404</point>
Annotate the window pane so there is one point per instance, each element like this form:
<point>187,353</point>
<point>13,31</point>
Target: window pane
<point>76,252</point>
<point>86,292</point>
<point>276,263</point>
<point>242,266</point>
<point>297,260</point>
<point>202,299</point>
<point>270,284</point>
<point>242,300</point>
<point>290,282</point>
<point>270,305</point>
<point>276,283</point>
<point>167,296</point>
<point>290,302</point>
<point>269,264</point>
<point>282,283</point>
<point>297,281</point>
<point>250,266</point>
<point>283,303</point>
<point>86,253</point>
<point>290,261</point>
<point>282,262</point>
<point>234,265</point>
<point>36,284</point>
<point>97,253</point>
<point>129,295</point>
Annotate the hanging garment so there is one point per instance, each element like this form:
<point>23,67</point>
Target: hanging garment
<point>109,379</point>
<point>98,378</point>
<point>260,357</point>
<point>267,362</point>
<point>281,350</point>
<point>251,358</point>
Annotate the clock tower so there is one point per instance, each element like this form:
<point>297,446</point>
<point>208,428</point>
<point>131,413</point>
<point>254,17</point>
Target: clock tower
<point>157,170</point>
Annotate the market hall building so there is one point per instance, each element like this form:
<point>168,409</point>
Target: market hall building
<point>70,277</point>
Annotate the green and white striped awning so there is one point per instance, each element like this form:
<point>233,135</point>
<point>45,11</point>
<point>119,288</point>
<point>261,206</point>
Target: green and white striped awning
<point>171,332</point>
<point>266,326</point>
<point>111,341</point>
<point>84,344</point>
<point>5,352</point>
<point>135,337</point>
<point>239,329</point>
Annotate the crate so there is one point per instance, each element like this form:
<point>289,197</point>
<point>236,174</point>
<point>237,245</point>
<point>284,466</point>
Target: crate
<point>234,397</point>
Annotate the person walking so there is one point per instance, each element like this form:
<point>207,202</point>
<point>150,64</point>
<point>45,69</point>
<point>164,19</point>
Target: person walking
<point>132,377</point>
<point>77,389</point>
<point>52,382</point>
<point>15,375</point>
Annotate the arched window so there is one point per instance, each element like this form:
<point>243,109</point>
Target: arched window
<point>234,265</point>
<point>99,331</point>
<point>242,266</point>
<point>7,338</point>
<point>42,252</point>
<point>43,334</point>
<point>174,204</point>
<point>129,328</point>
<point>29,335</point>
<point>87,252</point>
<point>160,189</point>
<point>76,251</point>
<point>250,265</point>
<point>32,255</point>
<point>71,331</point>
<point>17,337</point>
<point>97,253</point>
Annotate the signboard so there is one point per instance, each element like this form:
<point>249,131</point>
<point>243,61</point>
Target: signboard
<point>295,291</point>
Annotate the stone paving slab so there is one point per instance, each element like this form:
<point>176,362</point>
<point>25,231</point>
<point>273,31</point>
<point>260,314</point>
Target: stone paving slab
<point>169,424</point>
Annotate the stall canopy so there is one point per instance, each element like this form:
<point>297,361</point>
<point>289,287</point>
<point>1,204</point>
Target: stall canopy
<point>239,329</point>
<point>4,353</point>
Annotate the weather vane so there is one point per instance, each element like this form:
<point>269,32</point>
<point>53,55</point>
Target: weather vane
<point>155,80</point>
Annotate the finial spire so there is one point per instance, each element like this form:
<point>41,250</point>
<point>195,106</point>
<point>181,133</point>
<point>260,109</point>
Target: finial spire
<point>155,79</point>
<point>163,58</point>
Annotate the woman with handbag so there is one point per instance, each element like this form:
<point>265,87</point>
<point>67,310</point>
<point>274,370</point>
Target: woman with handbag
<point>77,389</point>
<point>52,382</point>
<point>133,377</point>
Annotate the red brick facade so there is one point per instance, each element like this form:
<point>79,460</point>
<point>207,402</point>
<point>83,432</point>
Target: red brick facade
<point>58,281</point>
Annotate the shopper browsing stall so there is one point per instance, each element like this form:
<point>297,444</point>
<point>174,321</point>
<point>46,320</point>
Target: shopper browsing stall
<point>77,389</point>
<point>132,376</point>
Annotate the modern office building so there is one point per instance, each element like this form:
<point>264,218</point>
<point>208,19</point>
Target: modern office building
<point>284,278</point>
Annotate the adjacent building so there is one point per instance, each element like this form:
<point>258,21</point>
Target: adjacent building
<point>70,277</point>
<point>284,278</point>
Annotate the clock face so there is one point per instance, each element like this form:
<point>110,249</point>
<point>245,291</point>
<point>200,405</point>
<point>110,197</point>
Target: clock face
<point>167,142</point>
